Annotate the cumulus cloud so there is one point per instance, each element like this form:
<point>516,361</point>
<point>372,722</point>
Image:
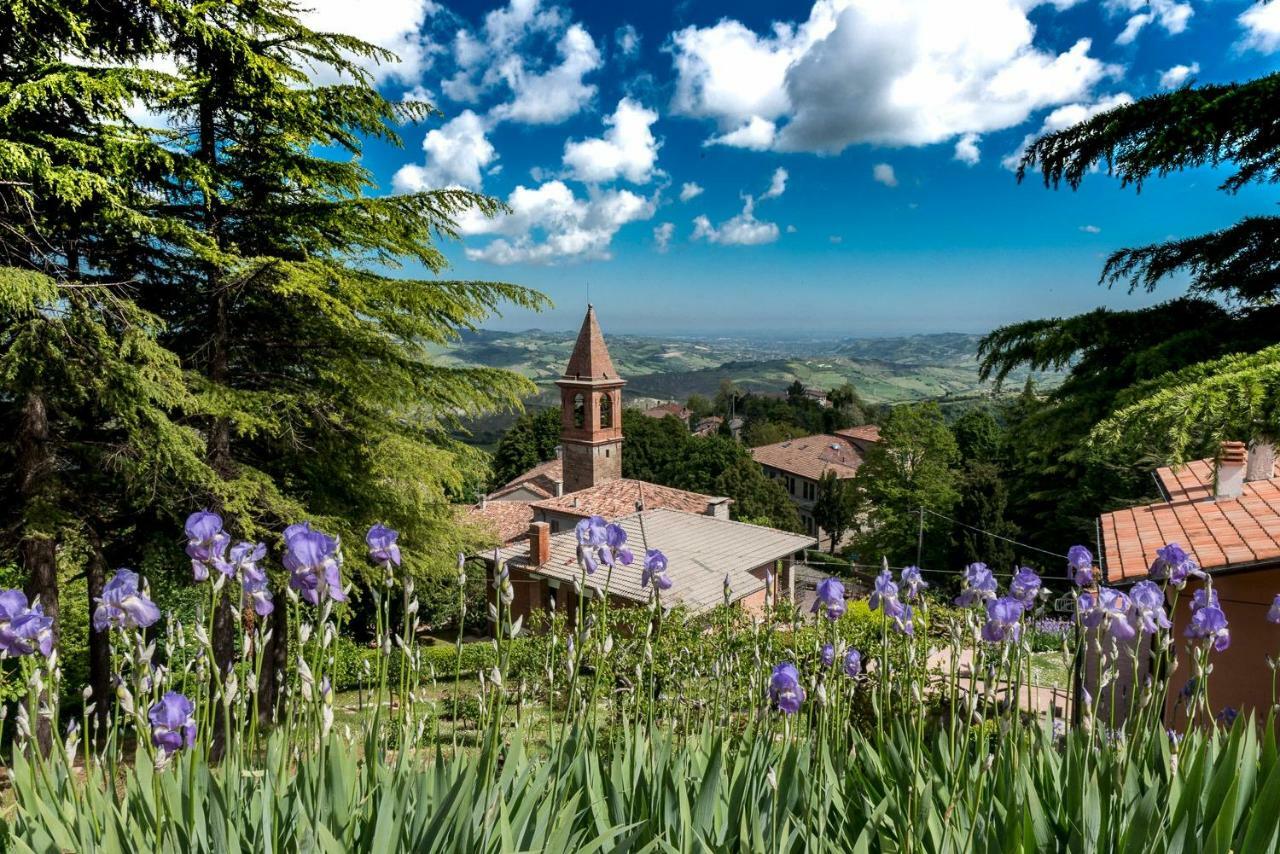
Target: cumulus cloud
<point>627,149</point>
<point>777,184</point>
<point>550,224</point>
<point>531,53</point>
<point>741,230</point>
<point>1063,118</point>
<point>1171,15</point>
<point>662,235</point>
<point>1261,23</point>
<point>457,155</point>
<point>907,73</point>
<point>627,39</point>
<point>757,135</point>
<point>883,173</point>
<point>396,25</point>
<point>1174,77</point>
<point>690,190</point>
<point>1090,229</point>
<point>967,149</point>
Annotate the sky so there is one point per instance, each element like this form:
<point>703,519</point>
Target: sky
<point>837,167</point>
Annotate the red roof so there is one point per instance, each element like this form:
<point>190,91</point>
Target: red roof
<point>1219,534</point>
<point>507,521</point>
<point>543,478</point>
<point>812,456</point>
<point>865,433</point>
<point>662,410</point>
<point>615,498</point>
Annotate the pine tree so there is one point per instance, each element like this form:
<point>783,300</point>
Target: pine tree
<point>836,508</point>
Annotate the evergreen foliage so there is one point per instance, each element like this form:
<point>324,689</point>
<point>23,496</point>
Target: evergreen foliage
<point>531,440</point>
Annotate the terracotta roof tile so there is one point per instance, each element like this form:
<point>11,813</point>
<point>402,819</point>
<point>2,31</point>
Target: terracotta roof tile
<point>1218,533</point>
<point>865,433</point>
<point>614,498</point>
<point>544,476</point>
<point>508,521</point>
<point>812,456</point>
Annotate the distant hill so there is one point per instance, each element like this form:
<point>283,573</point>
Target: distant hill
<point>884,370</point>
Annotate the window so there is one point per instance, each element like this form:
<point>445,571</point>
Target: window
<point>791,485</point>
<point>606,410</point>
<point>579,410</point>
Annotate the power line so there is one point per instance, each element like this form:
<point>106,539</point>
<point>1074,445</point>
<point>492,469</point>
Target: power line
<point>991,534</point>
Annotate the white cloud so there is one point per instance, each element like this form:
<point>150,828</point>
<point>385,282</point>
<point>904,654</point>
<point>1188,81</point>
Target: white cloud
<point>512,53</point>
<point>457,155</point>
<point>835,239</point>
<point>883,174</point>
<point>1063,118</point>
<point>777,185</point>
<point>1090,229</point>
<point>913,72</point>
<point>628,148</point>
<point>791,229</point>
<point>549,224</point>
<point>690,190</point>
<point>1177,75</point>
<point>662,235</point>
<point>967,149</point>
<point>757,135</point>
<point>741,230</point>
<point>1171,15</point>
<point>627,39</point>
<point>395,25</point>
<point>1261,22</point>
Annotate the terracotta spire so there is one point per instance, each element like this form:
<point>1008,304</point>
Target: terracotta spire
<point>590,359</point>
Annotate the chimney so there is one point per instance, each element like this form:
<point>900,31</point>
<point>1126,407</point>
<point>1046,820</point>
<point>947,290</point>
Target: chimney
<point>559,452</point>
<point>539,543</point>
<point>1262,461</point>
<point>1232,458</point>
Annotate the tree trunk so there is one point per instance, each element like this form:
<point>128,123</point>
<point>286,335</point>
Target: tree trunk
<point>38,547</point>
<point>275,661</point>
<point>99,641</point>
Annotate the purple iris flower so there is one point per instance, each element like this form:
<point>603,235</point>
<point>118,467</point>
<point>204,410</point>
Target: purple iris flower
<point>1209,622</point>
<point>382,545</point>
<point>1228,715</point>
<point>1108,610</point>
<point>913,584</point>
<point>977,585</point>
<point>830,595</point>
<point>1025,586</point>
<point>1273,613</point>
<point>206,543</point>
<point>616,539</point>
<point>1147,601</point>
<point>655,570</point>
<point>122,604</point>
<point>884,594</point>
<point>592,531</point>
<point>1174,565</point>
<point>827,655</point>
<point>23,629</point>
<point>904,621</point>
<point>852,663</point>
<point>1004,620</point>
<point>243,560</point>
<point>1080,561</point>
<point>173,722</point>
<point>1205,597</point>
<point>312,560</point>
<point>785,690</point>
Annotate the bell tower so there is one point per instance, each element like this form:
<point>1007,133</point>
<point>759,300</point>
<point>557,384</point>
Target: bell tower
<point>590,411</point>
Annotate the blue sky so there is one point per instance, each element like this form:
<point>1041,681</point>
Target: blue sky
<point>640,146</point>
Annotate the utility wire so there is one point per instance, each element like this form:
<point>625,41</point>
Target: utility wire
<point>992,534</point>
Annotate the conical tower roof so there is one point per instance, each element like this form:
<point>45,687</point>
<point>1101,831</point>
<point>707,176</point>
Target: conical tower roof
<point>590,359</point>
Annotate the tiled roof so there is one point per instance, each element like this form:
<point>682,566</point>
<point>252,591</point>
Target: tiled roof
<point>865,433</point>
<point>709,425</point>
<point>506,520</point>
<point>590,358</point>
<point>700,550</point>
<point>1220,534</point>
<point>614,498</point>
<point>544,476</point>
<point>812,456</point>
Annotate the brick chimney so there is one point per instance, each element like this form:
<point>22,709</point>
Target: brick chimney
<point>539,543</point>
<point>1262,460</point>
<point>1232,459</point>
